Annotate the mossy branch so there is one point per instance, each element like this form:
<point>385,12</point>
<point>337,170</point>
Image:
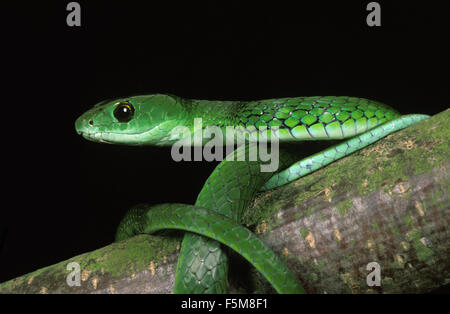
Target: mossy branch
<point>387,203</point>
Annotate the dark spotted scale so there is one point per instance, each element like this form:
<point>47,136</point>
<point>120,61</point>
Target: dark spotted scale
<point>314,118</point>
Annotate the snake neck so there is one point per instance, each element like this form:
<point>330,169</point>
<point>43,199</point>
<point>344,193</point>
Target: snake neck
<point>214,112</point>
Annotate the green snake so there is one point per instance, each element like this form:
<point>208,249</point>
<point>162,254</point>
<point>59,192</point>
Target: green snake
<point>212,223</point>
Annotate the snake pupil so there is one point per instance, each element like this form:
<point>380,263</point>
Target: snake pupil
<point>124,112</point>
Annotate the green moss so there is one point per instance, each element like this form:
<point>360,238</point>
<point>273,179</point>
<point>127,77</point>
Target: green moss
<point>343,207</point>
<point>350,283</point>
<point>381,248</point>
<point>131,255</point>
<point>320,265</point>
<point>304,233</point>
<point>298,215</point>
<point>424,253</point>
<point>116,260</point>
<point>313,277</point>
<point>436,197</point>
<point>389,284</point>
<point>408,221</point>
<point>396,232</point>
<point>399,262</point>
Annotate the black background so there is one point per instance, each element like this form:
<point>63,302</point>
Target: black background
<point>68,195</point>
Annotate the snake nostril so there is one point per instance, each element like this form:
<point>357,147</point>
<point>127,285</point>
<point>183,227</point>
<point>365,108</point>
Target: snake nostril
<point>91,122</point>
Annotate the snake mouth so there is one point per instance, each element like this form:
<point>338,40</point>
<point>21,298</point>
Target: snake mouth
<point>94,136</point>
<point>131,139</point>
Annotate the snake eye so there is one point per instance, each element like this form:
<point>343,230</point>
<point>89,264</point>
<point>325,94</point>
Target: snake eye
<point>124,111</point>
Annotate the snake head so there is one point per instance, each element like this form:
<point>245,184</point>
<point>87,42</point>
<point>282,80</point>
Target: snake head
<point>137,120</point>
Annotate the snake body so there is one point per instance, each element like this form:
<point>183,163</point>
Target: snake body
<point>214,218</point>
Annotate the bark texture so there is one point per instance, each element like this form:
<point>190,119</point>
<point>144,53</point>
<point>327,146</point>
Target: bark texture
<point>386,204</point>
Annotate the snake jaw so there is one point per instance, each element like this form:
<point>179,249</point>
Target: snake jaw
<point>94,137</point>
<point>159,135</point>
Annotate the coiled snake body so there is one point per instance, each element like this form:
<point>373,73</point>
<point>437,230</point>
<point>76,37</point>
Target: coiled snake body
<point>214,219</point>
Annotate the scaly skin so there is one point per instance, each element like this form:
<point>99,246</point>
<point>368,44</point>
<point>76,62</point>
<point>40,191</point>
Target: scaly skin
<point>149,120</point>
